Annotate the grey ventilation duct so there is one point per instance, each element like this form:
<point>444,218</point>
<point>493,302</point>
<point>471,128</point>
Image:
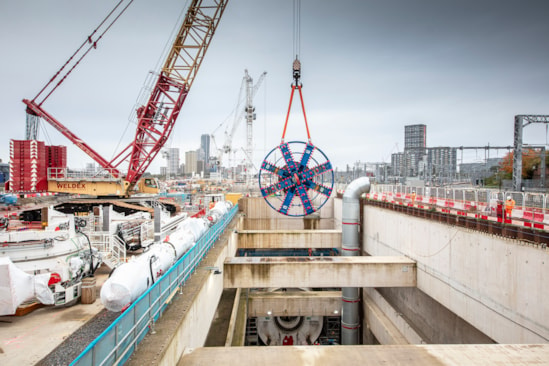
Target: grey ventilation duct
<point>350,228</point>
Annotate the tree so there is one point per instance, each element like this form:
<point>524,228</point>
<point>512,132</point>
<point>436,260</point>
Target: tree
<point>530,162</point>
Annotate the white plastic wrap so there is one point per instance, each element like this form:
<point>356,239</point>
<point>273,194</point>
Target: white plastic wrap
<point>16,287</point>
<point>195,226</point>
<point>219,210</point>
<point>132,279</point>
<point>182,241</point>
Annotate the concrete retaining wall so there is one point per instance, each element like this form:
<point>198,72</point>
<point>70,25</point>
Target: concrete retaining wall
<point>496,284</point>
<point>185,324</point>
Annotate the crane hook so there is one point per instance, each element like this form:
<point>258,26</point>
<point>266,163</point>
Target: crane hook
<point>296,66</point>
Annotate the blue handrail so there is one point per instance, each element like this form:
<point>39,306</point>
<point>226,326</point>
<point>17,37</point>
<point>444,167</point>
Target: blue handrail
<point>116,344</point>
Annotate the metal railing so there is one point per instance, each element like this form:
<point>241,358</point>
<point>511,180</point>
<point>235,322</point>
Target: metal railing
<point>116,344</point>
<point>110,246</point>
<point>67,174</point>
<point>526,201</point>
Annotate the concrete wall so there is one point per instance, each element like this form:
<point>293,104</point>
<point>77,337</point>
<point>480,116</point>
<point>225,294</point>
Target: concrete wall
<point>435,323</point>
<point>270,239</point>
<point>497,285</point>
<point>186,322</point>
<point>260,216</point>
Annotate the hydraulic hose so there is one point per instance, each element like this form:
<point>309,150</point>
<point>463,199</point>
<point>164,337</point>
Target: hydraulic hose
<point>150,267</point>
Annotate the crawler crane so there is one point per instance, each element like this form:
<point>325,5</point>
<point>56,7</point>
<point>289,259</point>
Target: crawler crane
<point>155,119</point>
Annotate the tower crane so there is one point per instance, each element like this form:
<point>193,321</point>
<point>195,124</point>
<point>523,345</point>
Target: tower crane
<point>249,110</point>
<point>156,118</point>
<point>250,117</point>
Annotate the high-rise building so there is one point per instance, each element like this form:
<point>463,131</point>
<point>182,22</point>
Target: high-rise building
<point>441,163</point>
<point>205,146</point>
<point>415,137</point>
<point>415,143</point>
<point>190,162</point>
<point>172,168</point>
<point>398,164</point>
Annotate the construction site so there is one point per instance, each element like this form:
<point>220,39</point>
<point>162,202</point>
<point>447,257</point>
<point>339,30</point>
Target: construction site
<point>282,261</point>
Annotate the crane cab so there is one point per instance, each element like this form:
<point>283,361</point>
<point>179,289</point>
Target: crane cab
<point>148,185</point>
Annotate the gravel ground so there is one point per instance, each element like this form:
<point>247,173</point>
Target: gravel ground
<point>73,346</point>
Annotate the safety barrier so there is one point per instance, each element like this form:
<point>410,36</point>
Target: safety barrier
<point>529,235</point>
<point>532,209</point>
<point>116,344</point>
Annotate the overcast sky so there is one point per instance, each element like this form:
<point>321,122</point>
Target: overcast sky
<point>463,68</point>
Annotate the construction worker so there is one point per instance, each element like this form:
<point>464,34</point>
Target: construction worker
<point>509,206</point>
<point>413,197</point>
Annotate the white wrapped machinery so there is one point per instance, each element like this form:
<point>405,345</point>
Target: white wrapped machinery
<point>130,280</point>
<point>48,264</point>
<point>16,287</point>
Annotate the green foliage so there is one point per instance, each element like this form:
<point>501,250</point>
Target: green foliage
<point>530,162</point>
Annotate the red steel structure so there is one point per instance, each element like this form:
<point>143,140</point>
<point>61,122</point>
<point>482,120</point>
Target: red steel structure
<point>156,119</point>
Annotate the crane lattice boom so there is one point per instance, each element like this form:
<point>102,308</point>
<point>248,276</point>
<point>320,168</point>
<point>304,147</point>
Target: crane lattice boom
<point>156,119</point>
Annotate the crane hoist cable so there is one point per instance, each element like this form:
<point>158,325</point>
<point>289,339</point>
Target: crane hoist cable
<point>92,44</point>
<point>296,69</point>
<point>297,28</point>
<point>296,178</point>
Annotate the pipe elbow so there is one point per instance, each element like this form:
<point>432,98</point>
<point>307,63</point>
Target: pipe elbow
<point>356,188</point>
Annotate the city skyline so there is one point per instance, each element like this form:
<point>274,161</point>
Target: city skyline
<point>464,69</point>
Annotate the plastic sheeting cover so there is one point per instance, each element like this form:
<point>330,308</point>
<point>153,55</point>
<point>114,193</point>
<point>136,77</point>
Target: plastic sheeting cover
<point>130,280</point>
<point>16,287</point>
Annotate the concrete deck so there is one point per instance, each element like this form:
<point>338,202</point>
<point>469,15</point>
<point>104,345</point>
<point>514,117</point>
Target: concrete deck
<point>409,355</point>
<point>381,271</point>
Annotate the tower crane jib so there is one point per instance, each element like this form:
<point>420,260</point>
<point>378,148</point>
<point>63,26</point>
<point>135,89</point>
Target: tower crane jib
<point>248,111</point>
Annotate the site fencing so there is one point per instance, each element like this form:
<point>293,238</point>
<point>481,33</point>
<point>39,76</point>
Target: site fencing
<point>530,207</point>
<point>116,344</point>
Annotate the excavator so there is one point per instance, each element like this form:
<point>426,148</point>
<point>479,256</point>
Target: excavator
<point>155,118</point>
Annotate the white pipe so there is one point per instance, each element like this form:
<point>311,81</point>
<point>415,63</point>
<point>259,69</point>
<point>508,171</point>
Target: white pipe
<point>350,229</point>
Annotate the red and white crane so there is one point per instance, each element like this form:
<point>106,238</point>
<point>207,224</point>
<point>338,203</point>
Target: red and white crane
<point>156,118</point>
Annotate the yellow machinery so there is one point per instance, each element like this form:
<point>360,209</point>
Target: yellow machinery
<point>102,187</point>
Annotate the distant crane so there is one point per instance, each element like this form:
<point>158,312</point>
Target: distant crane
<point>250,117</point>
<point>249,110</point>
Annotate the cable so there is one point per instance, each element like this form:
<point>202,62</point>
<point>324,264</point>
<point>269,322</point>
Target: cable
<point>297,28</point>
<point>91,42</point>
<point>153,257</point>
<point>91,252</point>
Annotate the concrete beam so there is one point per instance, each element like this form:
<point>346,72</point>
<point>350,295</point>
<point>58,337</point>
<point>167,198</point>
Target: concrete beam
<point>385,322</point>
<point>254,272</point>
<point>294,303</point>
<point>382,328</point>
<point>410,355</point>
<point>282,239</point>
